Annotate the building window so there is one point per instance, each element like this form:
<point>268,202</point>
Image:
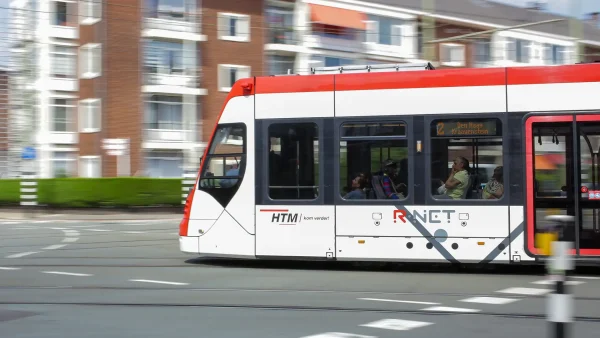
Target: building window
<point>464,156</point>
<point>374,160</point>
<point>280,22</point>
<point>280,64</point>
<point>518,50</point>
<point>90,60</point>
<point>164,57</point>
<point>90,115</point>
<point>293,161</point>
<point>63,60</point>
<point>482,53</point>
<point>90,11</point>
<point>164,164</point>
<point>61,13</point>
<point>63,164</point>
<point>89,167</point>
<point>180,10</point>
<point>452,55</point>
<point>164,112</point>
<point>234,27</point>
<point>62,115</point>
<point>328,61</point>
<point>229,74</point>
<point>554,55</point>
<point>384,31</point>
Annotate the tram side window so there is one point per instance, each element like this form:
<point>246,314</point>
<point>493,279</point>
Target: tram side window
<point>293,161</point>
<point>373,160</point>
<point>466,159</point>
<point>225,162</point>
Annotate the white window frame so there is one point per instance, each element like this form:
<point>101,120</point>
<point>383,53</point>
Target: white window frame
<point>90,11</point>
<point>69,118</point>
<point>223,73</point>
<point>243,25</point>
<point>90,115</point>
<point>372,32</point>
<point>71,157</point>
<point>397,37</point>
<point>452,63</point>
<point>72,55</point>
<point>83,160</point>
<point>90,60</point>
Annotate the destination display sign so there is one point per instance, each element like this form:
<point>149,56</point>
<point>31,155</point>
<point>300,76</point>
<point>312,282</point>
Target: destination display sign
<point>466,128</point>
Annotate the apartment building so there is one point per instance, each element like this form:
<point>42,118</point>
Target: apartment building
<point>4,122</point>
<point>135,72</point>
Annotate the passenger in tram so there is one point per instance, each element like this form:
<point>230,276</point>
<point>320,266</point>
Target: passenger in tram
<point>494,189</point>
<point>233,171</point>
<point>357,192</point>
<point>456,185</point>
<point>388,179</point>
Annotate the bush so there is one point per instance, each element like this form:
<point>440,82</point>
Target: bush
<point>99,192</point>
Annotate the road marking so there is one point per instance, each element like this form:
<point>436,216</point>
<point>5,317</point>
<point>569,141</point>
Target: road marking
<point>338,335</point>
<point>398,301</point>
<point>489,300</point>
<point>156,281</point>
<point>22,254</point>
<point>54,247</point>
<point>584,277</point>
<point>133,232</point>
<point>12,222</point>
<point>8,268</point>
<point>67,273</point>
<point>450,309</point>
<point>58,228</point>
<point>23,228</point>
<point>70,239</point>
<point>98,230</point>
<point>525,291</point>
<point>396,324</point>
<point>551,282</point>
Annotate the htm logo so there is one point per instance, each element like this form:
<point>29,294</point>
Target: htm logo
<point>285,218</point>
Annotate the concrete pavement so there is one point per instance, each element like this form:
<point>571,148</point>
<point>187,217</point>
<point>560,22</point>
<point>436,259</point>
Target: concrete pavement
<point>128,279</point>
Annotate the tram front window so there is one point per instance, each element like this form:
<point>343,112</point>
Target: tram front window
<point>225,163</point>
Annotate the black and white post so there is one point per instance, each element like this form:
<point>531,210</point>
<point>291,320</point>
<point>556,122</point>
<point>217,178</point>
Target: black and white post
<point>560,303</point>
<point>187,183</point>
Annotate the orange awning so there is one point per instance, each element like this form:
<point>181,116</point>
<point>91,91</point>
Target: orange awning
<point>337,17</point>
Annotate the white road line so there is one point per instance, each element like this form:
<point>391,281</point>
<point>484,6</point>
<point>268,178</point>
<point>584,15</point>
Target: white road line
<point>67,273</point>
<point>22,254</point>
<point>87,226</point>
<point>97,230</point>
<point>525,291</point>
<point>450,309</point>
<point>551,282</point>
<point>23,228</point>
<point>12,222</point>
<point>338,335</point>
<point>584,277</point>
<point>70,239</point>
<point>59,228</point>
<point>398,301</point>
<point>156,281</point>
<point>396,324</point>
<point>133,232</point>
<point>8,268</point>
<point>490,300</point>
<point>54,247</point>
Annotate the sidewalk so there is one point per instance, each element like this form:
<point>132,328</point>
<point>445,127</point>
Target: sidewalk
<point>85,215</point>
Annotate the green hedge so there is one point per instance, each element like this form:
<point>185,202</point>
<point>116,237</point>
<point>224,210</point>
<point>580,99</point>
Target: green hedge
<point>98,192</point>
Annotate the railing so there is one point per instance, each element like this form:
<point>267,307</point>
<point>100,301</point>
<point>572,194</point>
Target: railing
<point>283,36</point>
<point>178,22</point>
<point>169,132</point>
<point>327,41</point>
<point>189,78</point>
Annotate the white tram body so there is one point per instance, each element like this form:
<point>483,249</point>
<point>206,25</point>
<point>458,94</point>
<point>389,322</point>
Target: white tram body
<point>240,218</point>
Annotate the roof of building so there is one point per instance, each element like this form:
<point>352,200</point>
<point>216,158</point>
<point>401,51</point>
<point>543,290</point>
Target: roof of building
<point>497,14</point>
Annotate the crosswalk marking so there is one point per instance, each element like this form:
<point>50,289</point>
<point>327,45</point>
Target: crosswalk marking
<point>489,300</point>
<point>338,335</point>
<point>397,324</point>
<point>450,309</point>
<point>525,291</point>
<point>398,301</point>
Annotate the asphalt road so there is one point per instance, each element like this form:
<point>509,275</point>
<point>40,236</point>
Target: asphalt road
<point>128,279</point>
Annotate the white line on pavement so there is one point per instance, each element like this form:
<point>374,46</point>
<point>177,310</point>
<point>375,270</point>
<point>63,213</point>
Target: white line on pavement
<point>54,247</point>
<point>396,324</point>
<point>22,254</point>
<point>584,277</point>
<point>98,230</point>
<point>70,239</point>
<point>133,232</point>
<point>8,268</point>
<point>67,273</point>
<point>525,291</point>
<point>398,301</point>
<point>156,281</point>
<point>489,300</point>
<point>450,309</point>
<point>551,282</point>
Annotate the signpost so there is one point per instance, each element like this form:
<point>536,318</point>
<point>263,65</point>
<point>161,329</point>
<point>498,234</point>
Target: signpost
<point>28,196</point>
<point>119,147</point>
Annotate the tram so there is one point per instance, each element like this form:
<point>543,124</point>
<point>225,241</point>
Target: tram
<point>401,163</point>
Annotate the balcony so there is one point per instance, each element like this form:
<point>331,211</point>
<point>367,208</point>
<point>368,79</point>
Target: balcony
<point>64,23</point>
<point>168,135</point>
<point>62,84</point>
<point>173,81</point>
<point>334,42</point>
<point>64,32</point>
<point>180,27</point>
<point>284,40</point>
<point>56,137</point>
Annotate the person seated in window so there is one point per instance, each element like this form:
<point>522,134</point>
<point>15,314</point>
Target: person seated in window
<point>495,187</point>
<point>388,179</point>
<point>357,192</point>
<point>458,181</point>
<point>233,171</point>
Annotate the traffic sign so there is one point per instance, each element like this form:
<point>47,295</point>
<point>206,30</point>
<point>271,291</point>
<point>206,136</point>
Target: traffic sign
<point>28,153</point>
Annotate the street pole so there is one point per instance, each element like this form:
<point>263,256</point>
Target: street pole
<point>560,302</point>
<point>428,30</point>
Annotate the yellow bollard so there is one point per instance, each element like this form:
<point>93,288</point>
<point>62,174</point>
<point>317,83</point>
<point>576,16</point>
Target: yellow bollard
<point>544,241</point>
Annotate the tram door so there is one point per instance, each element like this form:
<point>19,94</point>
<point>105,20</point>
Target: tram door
<point>563,177</point>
